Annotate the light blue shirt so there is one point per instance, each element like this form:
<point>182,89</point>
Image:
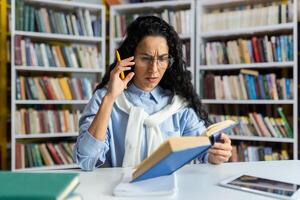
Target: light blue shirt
<point>90,152</point>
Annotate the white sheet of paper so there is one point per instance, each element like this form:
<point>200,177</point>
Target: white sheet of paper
<point>159,186</point>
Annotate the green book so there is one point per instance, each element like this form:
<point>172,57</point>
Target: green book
<point>26,18</point>
<point>285,122</point>
<point>46,186</point>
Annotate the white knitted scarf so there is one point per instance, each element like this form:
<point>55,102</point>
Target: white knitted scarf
<point>137,119</point>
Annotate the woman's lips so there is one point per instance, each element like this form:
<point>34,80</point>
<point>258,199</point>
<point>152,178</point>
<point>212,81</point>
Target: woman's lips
<point>152,79</point>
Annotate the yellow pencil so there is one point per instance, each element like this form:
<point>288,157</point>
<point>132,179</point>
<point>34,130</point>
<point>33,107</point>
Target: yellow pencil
<point>119,59</point>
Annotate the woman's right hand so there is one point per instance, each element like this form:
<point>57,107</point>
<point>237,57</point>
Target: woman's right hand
<point>116,85</point>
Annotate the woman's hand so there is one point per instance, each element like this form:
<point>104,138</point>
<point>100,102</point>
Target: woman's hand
<point>116,85</point>
<point>220,152</point>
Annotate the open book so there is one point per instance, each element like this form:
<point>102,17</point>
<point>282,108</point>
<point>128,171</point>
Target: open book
<point>177,151</point>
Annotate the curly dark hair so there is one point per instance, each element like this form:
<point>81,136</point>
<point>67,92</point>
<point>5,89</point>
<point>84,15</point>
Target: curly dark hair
<point>177,78</point>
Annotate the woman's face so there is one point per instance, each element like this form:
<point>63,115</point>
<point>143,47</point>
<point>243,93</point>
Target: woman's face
<point>151,61</point>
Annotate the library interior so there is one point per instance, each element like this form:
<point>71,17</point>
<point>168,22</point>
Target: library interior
<point>158,99</point>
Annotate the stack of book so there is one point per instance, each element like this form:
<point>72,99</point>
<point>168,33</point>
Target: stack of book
<point>247,69</point>
<point>58,58</point>
<point>245,16</point>
<point>180,20</point>
<point>255,124</point>
<point>43,154</point>
<point>80,22</point>
<point>254,50</point>
<point>244,152</point>
<point>28,53</point>
<point>32,121</point>
<point>249,84</point>
<point>51,88</point>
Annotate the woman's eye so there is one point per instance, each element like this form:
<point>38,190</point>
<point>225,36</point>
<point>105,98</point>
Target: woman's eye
<point>165,59</point>
<point>146,59</point>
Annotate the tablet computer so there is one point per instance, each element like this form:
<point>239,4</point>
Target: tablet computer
<point>263,186</point>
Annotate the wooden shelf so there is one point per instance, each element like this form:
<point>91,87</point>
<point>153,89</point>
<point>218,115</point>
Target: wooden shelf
<point>244,66</point>
<point>72,102</point>
<point>59,37</point>
<point>65,4</point>
<point>58,69</point>
<point>45,135</point>
<point>93,74</point>
<point>54,167</point>
<point>216,101</point>
<point>271,29</point>
<point>262,139</point>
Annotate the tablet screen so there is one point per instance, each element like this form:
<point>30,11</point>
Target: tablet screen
<point>265,185</point>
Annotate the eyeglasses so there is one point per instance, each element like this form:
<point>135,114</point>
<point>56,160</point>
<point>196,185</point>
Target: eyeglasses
<point>162,62</point>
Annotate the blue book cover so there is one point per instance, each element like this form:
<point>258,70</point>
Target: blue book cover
<point>261,87</point>
<point>252,86</point>
<point>291,47</point>
<point>268,78</point>
<point>250,51</point>
<point>288,89</point>
<point>248,85</point>
<point>178,151</point>
<point>278,50</point>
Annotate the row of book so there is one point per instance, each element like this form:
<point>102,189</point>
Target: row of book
<point>29,53</point>
<point>180,20</point>
<point>254,50</point>
<point>81,22</point>
<point>246,86</point>
<point>256,124</point>
<point>244,16</point>
<point>43,154</point>
<point>51,88</point>
<point>248,153</point>
<point>32,121</point>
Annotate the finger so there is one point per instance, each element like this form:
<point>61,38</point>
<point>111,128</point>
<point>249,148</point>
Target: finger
<point>128,59</point>
<point>125,63</point>
<point>217,159</point>
<point>128,78</point>
<point>120,68</point>
<point>222,159</point>
<point>218,152</point>
<point>222,146</point>
<point>225,138</point>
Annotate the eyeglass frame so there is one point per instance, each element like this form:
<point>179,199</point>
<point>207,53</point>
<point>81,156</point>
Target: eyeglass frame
<point>151,60</point>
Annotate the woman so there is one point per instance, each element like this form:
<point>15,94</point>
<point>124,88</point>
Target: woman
<point>127,119</point>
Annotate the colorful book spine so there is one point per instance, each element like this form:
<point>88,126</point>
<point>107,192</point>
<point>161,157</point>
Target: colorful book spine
<point>43,154</point>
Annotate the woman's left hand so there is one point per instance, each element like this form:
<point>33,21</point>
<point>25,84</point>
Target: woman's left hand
<point>220,152</point>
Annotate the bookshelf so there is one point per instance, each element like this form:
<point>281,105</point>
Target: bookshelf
<point>3,78</point>
<point>55,66</point>
<point>179,14</point>
<point>229,19</point>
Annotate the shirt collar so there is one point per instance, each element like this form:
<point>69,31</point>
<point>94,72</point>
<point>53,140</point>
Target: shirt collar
<point>155,93</point>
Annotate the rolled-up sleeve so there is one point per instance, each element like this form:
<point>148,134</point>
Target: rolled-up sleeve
<point>193,126</point>
<point>88,151</point>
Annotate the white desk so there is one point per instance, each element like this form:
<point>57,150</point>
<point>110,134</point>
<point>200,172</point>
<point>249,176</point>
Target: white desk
<point>194,181</point>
